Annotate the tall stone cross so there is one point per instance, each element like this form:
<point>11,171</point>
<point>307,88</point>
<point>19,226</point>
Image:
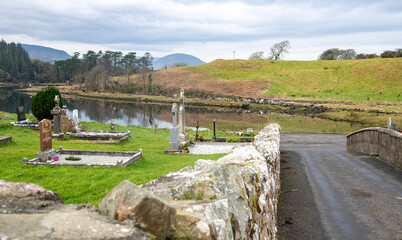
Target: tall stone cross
<point>182,118</point>
<point>182,96</point>
<point>174,114</point>
<point>174,144</point>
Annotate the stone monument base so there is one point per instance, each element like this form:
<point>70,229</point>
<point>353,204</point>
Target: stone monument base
<point>174,144</point>
<point>167,151</point>
<point>184,139</point>
<point>44,156</point>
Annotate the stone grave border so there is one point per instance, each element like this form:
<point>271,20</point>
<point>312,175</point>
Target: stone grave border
<point>131,157</point>
<point>5,139</point>
<point>26,124</point>
<point>96,135</point>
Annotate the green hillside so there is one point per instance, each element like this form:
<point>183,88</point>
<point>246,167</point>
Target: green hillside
<point>369,80</point>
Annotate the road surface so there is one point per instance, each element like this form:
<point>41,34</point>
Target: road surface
<point>328,193</point>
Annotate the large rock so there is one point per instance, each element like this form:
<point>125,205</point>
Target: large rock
<point>129,202</point>
<point>66,222</point>
<point>20,197</point>
<point>187,226</point>
<point>213,212</point>
<point>29,211</point>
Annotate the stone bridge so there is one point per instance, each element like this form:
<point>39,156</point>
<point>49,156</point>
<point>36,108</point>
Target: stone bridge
<point>385,143</point>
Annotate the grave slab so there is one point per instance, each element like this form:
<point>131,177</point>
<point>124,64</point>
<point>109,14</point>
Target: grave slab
<point>90,158</point>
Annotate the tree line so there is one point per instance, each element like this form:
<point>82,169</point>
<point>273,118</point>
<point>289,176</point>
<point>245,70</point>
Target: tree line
<point>278,49</point>
<point>16,66</point>
<point>113,63</point>
<point>14,63</point>
<point>350,54</point>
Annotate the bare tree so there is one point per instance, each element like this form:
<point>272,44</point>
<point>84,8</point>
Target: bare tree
<point>256,55</point>
<point>278,49</point>
<point>348,54</point>
<point>338,54</point>
<point>330,54</point>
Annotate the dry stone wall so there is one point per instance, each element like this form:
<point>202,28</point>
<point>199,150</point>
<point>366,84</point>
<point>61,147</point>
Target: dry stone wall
<point>236,195</point>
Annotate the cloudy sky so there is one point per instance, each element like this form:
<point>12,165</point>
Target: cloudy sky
<point>204,28</point>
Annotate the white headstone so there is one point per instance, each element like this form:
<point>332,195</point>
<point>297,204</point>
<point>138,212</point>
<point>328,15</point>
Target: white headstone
<point>182,133</point>
<point>174,144</point>
<point>389,123</point>
<point>76,121</point>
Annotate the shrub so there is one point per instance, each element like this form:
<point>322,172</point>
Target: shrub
<point>392,54</point>
<point>43,103</point>
<point>365,56</point>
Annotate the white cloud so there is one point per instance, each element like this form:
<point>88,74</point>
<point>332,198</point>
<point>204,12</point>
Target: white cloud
<point>207,29</point>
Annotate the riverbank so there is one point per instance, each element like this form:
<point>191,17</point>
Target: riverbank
<point>364,114</point>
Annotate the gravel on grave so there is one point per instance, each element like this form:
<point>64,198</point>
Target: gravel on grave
<point>213,147</point>
<point>90,160</point>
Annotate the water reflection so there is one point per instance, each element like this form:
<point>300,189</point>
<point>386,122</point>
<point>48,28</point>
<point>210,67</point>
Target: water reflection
<point>123,113</point>
<point>145,115</point>
<point>10,100</point>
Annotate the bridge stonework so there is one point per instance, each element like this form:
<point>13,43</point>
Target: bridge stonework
<point>386,143</point>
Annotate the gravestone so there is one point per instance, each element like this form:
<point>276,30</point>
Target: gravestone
<point>182,119</point>
<point>182,135</point>
<point>196,130</point>
<point>45,131</point>
<point>174,144</point>
<point>112,125</point>
<point>76,120</point>
<point>20,113</point>
<point>64,112</point>
<point>56,112</point>
<point>156,125</point>
<point>214,137</point>
<point>389,123</point>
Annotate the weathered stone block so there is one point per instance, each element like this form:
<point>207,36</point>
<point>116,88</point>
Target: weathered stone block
<point>214,212</point>
<point>187,226</point>
<point>129,202</point>
<point>17,196</point>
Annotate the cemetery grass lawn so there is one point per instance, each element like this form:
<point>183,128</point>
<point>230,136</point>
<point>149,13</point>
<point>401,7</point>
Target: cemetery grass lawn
<point>83,185</point>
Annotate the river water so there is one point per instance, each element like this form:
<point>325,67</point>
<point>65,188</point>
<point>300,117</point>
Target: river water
<point>146,115</point>
<point>127,113</point>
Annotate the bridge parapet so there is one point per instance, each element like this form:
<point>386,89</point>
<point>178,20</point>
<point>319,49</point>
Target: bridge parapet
<point>384,142</point>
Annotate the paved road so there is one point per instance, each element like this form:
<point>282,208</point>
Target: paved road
<point>328,193</point>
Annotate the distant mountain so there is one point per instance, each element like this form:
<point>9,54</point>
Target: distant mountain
<point>169,60</point>
<point>45,53</point>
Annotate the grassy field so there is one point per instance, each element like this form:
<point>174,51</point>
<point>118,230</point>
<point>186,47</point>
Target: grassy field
<point>372,80</point>
<point>89,184</point>
<point>358,81</point>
